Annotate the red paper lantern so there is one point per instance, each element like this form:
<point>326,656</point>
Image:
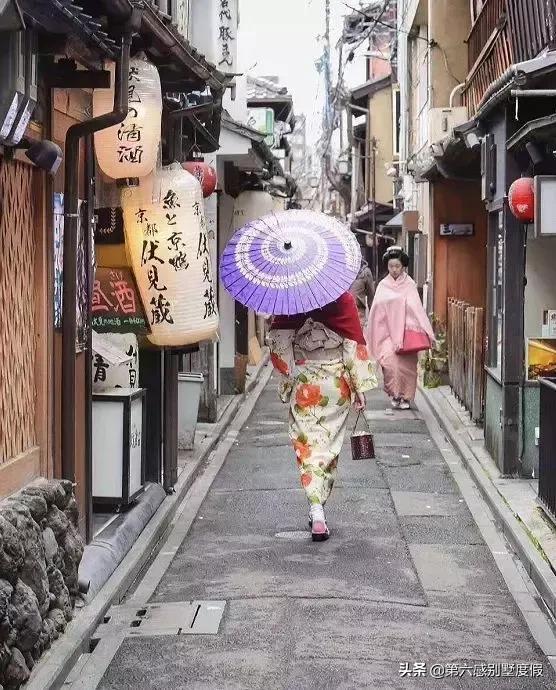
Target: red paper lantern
<point>521,198</point>
<point>205,173</point>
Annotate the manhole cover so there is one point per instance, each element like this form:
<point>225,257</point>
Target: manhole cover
<point>293,536</point>
<point>175,618</point>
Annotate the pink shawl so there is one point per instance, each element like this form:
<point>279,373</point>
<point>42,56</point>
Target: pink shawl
<point>396,306</point>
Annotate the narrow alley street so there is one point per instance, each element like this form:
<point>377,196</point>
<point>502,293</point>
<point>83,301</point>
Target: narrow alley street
<point>407,580</point>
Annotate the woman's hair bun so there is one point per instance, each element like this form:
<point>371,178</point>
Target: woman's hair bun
<point>396,252</point>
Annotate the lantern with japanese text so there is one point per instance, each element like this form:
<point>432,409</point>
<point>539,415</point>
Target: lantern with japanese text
<point>521,199</point>
<point>205,173</point>
<point>130,149</point>
<point>115,361</point>
<point>251,205</point>
<point>278,204</point>
<point>168,244</point>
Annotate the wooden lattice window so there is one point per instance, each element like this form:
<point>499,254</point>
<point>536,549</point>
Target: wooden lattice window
<point>17,320</point>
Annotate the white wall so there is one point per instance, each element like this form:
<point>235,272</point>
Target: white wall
<point>205,32</point>
<point>540,292</point>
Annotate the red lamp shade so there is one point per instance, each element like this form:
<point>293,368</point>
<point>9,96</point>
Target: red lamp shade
<point>205,173</point>
<point>521,198</point>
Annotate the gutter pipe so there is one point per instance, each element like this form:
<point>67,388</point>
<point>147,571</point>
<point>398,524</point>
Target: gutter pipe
<point>459,87</point>
<point>71,219</point>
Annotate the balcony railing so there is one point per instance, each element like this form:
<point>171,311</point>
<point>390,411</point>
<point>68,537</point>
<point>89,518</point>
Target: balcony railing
<point>505,32</point>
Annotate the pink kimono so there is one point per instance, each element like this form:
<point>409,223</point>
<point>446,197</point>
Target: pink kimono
<point>396,306</point>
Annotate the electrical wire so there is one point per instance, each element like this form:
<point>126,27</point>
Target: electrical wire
<point>341,68</point>
<point>387,26</point>
<point>331,121</point>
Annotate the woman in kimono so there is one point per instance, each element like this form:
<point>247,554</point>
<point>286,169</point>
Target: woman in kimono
<point>324,365</point>
<point>396,309</point>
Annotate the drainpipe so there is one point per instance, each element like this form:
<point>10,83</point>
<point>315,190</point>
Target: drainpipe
<point>71,219</point>
<point>455,90</point>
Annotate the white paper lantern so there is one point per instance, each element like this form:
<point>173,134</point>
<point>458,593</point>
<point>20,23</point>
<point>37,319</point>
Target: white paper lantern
<point>107,375</point>
<point>278,204</point>
<point>169,249</point>
<point>251,205</point>
<point>130,149</point>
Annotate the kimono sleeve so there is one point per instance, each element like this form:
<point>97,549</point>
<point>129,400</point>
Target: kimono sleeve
<point>360,367</point>
<point>281,355</point>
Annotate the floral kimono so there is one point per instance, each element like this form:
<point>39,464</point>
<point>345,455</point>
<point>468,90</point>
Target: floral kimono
<point>321,371</point>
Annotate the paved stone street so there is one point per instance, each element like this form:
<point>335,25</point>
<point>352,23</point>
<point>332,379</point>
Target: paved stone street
<point>405,576</point>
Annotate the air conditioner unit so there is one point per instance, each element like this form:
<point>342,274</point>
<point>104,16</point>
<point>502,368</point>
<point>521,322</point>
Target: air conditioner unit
<point>443,120</point>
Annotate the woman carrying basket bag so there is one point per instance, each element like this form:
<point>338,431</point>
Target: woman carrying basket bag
<point>325,368</point>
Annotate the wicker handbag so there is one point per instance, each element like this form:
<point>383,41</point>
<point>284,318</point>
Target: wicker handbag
<point>362,444</point>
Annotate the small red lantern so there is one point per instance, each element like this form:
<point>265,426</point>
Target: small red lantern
<point>205,173</point>
<point>521,198</point>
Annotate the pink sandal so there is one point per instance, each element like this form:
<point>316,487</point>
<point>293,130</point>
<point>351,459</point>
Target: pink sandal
<point>319,528</point>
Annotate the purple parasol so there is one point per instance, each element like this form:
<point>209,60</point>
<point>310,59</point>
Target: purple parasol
<point>290,262</point>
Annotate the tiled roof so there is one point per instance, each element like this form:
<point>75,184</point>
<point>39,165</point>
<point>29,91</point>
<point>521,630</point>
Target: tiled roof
<point>259,88</point>
<point>67,17</point>
<point>196,62</point>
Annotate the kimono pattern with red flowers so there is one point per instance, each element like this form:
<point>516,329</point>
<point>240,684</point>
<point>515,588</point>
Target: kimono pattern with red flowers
<point>320,374</point>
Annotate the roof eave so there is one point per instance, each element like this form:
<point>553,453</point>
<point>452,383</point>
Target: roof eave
<point>169,39</point>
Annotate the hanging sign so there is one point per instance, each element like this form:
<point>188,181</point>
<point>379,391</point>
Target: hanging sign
<point>169,248</point>
<point>116,306</point>
<point>457,229</point>
<point>226,34</point>
<point>109,227</point>
<point>81,287</point>
<point>115,361</point>
<point>130,149</point>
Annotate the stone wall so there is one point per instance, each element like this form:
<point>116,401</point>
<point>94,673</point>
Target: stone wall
<point>40,551</point>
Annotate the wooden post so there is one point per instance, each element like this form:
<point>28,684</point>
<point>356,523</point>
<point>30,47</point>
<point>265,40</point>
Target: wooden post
<point>203,362</point>
<point>242,345</point>
<point>478,390</point>
<point>170,425</point>
<point>151,378</point>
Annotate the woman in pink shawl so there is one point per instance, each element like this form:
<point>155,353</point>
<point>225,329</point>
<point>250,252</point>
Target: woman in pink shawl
<point>397,308</point>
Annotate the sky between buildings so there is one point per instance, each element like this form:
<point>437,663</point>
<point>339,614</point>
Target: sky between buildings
<point>285,39</point>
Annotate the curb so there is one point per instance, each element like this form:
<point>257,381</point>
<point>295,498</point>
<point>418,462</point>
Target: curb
<point>53,668</point>
<point>536,567</point>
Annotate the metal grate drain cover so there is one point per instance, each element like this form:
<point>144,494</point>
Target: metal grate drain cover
<point>294,535</point>
<point>175,618</point>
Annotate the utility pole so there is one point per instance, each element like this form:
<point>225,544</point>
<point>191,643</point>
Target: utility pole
<point>327,119</point>
<point>373,201</point>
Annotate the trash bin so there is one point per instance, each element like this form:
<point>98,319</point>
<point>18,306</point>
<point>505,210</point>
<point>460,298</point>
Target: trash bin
<point>189,396</point>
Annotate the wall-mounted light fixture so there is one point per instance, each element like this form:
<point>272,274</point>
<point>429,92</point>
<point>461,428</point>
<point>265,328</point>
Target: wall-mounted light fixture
<point>45,154</point>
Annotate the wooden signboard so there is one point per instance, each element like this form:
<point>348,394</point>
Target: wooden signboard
<point>117,306</point>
